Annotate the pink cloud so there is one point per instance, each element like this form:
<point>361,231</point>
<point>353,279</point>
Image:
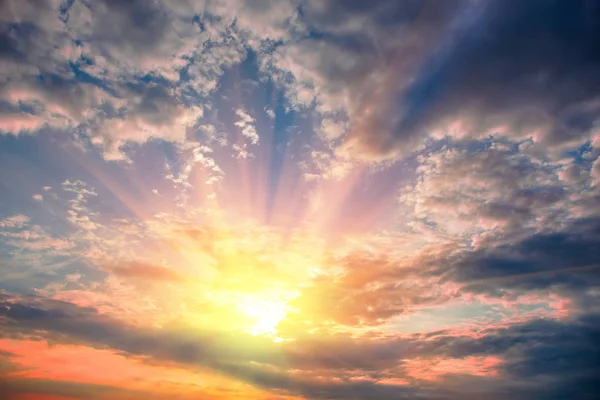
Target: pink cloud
<point>432,369</point>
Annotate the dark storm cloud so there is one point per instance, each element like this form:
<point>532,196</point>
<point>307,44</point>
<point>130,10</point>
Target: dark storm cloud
<point>536,54</point>
<point>530,65</point>
<point>530,62</point>
<point>559,359</point>
<point>568,259</point>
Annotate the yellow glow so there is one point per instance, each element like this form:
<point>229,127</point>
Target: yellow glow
<point>236,280</point>
<point>264,311</point>
<point>234,309</point>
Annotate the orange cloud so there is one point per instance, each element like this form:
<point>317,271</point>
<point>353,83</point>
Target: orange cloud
<point>139,270</point>
<point>432,369</point>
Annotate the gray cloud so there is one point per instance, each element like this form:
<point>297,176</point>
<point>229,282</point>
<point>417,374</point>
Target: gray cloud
<point>558,358</point>
<point>526,66</point>
<point>406,70</point>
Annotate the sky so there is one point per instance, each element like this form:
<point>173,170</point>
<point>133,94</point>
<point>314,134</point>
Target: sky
<point>299,199</point>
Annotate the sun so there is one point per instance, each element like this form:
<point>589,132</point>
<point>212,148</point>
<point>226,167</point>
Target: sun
<point>247,282</point>
<point>264,310</point>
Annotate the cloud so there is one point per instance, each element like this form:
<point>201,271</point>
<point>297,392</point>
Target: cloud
<point>135,35</point>
<point>138,270</point>
<point>15,221</point>
<point>246,124</point>
<point>354,66</point>
<point>433,369</point>
<point>514,352</point>
<point>472,82</point>
<point>30,247</point>
<point>488,192</point>
<point>367,291</point>
<point>85,326</point>
<point>449,72</point>
<point>79,215</point>
<point>134,115</point>
<point>332,129</point>
<point>147,112</point>
<point>348,65</point>
<point>538,351</point>
<point>68,57</point>
<point>34,41</point>
<point>48,100</point>
<point>567,259</point>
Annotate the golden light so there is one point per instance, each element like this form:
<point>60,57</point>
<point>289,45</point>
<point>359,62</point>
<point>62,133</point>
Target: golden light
<point>244,281</point>
<point>265,311</point>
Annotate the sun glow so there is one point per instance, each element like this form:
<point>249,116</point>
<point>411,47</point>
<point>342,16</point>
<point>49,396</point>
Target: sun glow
<point>264,311</point>
<point>257,313</point>
<point>244,282</point>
